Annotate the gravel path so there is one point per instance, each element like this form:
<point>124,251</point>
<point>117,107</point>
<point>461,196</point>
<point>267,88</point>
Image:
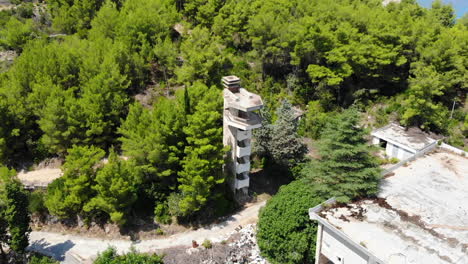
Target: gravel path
<point>77,249</point>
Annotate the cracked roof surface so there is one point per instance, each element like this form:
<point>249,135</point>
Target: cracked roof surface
<point>420,215</point>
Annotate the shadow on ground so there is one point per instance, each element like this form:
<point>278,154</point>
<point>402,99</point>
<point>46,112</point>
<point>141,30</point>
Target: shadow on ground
<point>56,251</point>
<point>262,181</point>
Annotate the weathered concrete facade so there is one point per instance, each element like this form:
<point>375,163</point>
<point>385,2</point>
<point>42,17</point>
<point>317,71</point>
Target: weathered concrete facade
<point>239,120</point>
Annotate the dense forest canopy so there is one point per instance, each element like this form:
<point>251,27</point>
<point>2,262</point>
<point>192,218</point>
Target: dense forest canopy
<point>82,63</point>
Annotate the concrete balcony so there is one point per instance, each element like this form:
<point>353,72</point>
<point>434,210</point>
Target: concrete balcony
<point>241,135</point>
<point>241,152</point>
<point>240,183</point>
<point>252,122</point>
<point>242,167</point>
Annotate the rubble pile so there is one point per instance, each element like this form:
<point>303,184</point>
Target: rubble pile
<point>245,249</point>
<point>237,247</point>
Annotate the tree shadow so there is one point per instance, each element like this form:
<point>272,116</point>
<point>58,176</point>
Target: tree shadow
<point>138,224</point>
<point>56,251</point>
<point>269,180</point>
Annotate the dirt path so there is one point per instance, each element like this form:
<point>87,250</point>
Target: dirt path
<point>41,177</point>
<point>76,249</point>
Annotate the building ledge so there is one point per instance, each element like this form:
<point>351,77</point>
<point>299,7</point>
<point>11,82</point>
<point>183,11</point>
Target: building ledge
<point>253,122</point>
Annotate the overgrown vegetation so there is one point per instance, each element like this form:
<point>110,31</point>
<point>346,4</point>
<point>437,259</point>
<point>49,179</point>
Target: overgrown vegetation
<point>285,233</point>
<point>71,94</point>
<point>110,256</point>
<point>346,170</point>
<point>14,215</point>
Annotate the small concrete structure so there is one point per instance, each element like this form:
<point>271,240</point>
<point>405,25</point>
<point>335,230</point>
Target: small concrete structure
<point>401,143</point>
<point>239,120</point>
<point>420,216</point>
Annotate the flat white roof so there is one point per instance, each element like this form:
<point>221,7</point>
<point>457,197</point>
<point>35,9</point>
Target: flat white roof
<point>420,215</point>
<point>410,139</point>
<point>243,100</point>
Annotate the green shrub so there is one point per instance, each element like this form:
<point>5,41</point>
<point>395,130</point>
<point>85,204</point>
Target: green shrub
<point>394,160</point>
<point>161,212</point>
<point>382,161</point>
<point>110,256</point>
<point>285,232</point>
<point>25,10</point>
<point>381,117</point>
<point>16,33</point>
<point>207,243</point>
<point>36,202</point>
<point>173,202</point>
<point>314,120</point>
<point>42,260</point>
<point>456,137</point>
<point>159,232</point>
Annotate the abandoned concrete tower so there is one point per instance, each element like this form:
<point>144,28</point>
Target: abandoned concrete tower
<point>239,120</point>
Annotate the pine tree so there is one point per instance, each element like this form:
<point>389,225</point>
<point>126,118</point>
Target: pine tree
<point>166,56</point>
<point>14,214</point>
<point>155,138</point>
<point>67,195</point>
<point>55,121</point>
<point>5,177</point>
<point>17,215</point>
<point>116,188</point>
<point>202,167</point>
<point>346,169</point>
<point>103,101</point>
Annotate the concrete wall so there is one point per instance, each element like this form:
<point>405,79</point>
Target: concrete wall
<point>393,151</point>
<point>335,250</point>
<point>454,149</point>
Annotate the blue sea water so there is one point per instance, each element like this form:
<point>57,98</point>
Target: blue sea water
<point>461,6</point>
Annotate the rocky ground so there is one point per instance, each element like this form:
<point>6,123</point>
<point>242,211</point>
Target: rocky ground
<point>8,55</point>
